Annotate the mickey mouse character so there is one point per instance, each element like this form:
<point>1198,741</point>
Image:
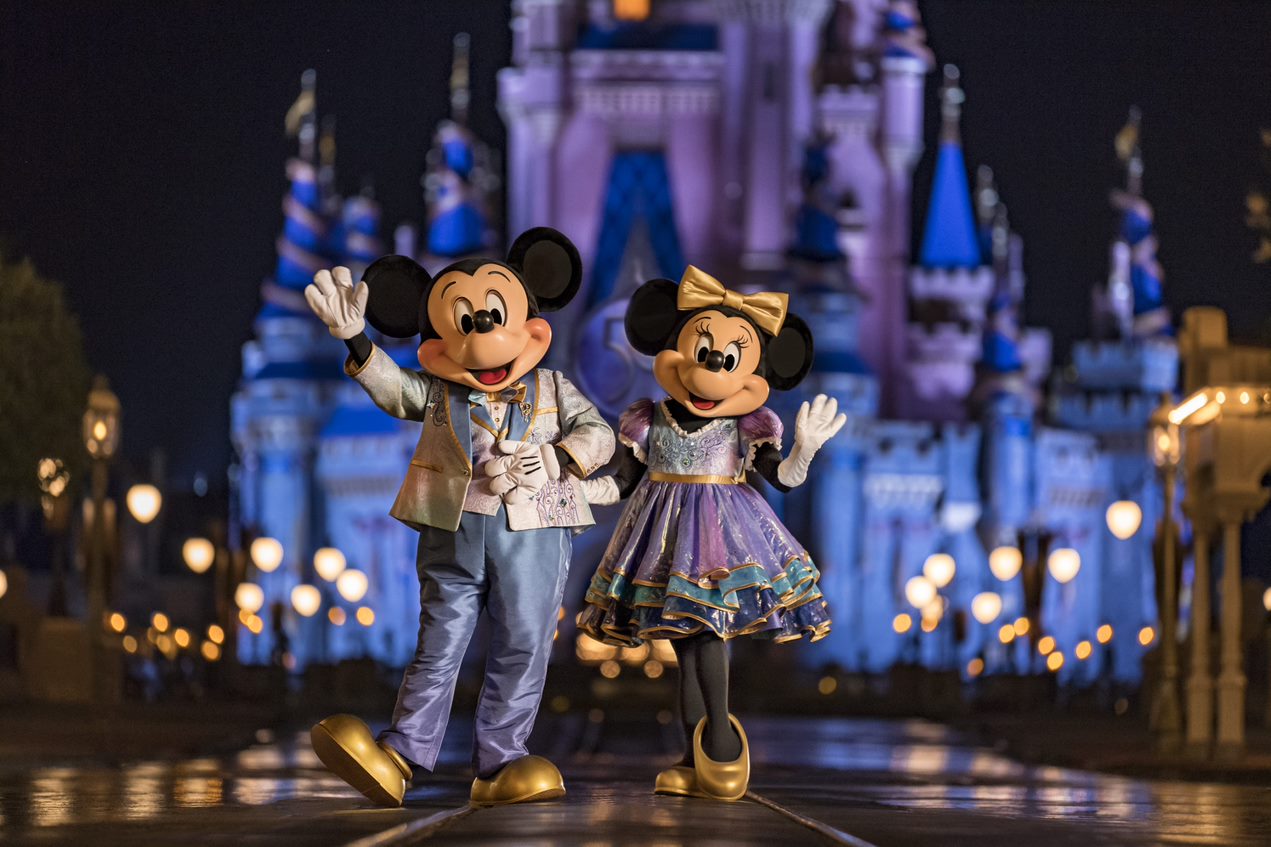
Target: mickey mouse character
<point>486,491</point>
<point>698,555</point>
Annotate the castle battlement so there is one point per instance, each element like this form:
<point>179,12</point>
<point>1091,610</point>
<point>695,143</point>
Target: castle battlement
<point>1103,411</point>
<point>969,287</point>
<point>1142,364</point>
<point>943,342</point>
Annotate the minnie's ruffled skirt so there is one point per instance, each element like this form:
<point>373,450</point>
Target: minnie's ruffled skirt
<point>691,557</point>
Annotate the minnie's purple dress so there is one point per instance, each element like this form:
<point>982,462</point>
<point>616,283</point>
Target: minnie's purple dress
<point>697,548</point>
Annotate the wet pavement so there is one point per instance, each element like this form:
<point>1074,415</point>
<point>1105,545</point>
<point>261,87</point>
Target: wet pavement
<point>816,781</point>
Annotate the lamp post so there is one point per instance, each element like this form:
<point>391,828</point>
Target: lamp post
<point>1165,448</point>
<point>101,439</point>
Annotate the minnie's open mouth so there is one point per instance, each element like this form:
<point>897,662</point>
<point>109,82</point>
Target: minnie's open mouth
<point>491,376</point>
<point>701,402</point>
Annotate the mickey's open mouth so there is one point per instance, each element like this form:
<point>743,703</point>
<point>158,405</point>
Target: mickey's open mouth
<point>491,376</point>
<point>701,402</point>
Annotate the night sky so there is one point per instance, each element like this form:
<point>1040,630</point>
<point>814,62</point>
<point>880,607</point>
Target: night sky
<point>142,152</point>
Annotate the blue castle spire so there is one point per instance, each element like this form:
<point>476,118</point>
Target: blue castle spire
<point>302,244</point>
<point>949,237</point>
<point>360,224</point>
<point>1137,231</point>
<point>457,223</point>
<point>1000,352</point>
<point>815,229</point>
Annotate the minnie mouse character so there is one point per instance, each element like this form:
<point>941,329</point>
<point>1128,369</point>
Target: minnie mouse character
<point>698,555</point>
<point>495,541</point>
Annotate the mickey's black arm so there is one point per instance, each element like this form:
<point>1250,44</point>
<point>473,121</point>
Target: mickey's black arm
<point>360,348</point>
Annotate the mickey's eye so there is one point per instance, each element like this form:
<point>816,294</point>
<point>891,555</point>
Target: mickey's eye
<point>496,307</point>
<point>463,315</point>
<point>732,356</point>
<point>704,344</point>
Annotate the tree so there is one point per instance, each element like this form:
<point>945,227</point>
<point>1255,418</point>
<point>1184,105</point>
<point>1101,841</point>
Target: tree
<point>43,380</point>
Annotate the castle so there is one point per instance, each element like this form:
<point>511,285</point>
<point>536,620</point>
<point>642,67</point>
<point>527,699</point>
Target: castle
<point>773,142</point>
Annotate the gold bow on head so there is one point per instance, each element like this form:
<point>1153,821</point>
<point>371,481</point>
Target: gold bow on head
<point>698,289</point>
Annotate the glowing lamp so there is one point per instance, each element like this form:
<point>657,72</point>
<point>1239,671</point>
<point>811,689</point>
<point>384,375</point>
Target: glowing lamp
<point>306,599</point>
<point>902,623</point>
<point>266,554</point>
<point>1124,518</point>
<point>198,554</point>
<point>939,568</point>
<point>986,606</point>
<point>329,563</point>
<point>352,585</point>
<point>4,584</point>
<point>143,502</point>
<point>1083,650</point>
<point>1266,598</point>
<point>365,615</point>
<point>249,597</point>
<point>101,420</point>
<point>1055,661</point>
<point>1005,562</point>
<point>1063,564</point>
<point>920,591</point>
<point>215,634</point>
<point>1103,634</point>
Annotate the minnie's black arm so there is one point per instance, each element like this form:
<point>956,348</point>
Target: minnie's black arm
<point>767,457</point>
<point>629,472</point>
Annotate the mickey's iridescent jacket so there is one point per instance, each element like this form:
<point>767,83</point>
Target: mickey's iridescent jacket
<point>458,437</point>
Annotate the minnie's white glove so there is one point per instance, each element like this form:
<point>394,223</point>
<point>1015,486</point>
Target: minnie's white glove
<point>601,491</point>
<point>337,303</point>
<point>815,425</point>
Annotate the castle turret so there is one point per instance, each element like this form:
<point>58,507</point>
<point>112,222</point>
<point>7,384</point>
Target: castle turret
<point>906,60</point>
<point>459,177</point>
<point>950,287</point>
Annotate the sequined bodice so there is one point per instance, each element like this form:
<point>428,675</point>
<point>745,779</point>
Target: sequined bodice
<point>712,450</point>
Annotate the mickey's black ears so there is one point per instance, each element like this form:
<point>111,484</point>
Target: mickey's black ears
<point>550,265</point>
<point>397,285</point>
<point>788,356</point>
<point>652,315</point>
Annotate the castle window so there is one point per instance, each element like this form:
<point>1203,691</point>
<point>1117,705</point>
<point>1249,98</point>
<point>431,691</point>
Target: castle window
<point>631,10</point>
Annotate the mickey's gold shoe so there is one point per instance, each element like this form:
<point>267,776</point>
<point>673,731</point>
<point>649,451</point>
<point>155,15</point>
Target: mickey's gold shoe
<point>722,780</point>
<point>525,780</point>
<point>345,745</point>
<point>678,781</point>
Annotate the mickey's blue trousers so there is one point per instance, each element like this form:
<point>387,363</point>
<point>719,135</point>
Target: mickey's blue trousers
<point>517,579</point>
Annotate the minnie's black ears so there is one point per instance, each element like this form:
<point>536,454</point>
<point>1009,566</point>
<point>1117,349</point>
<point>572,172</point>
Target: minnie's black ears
<point>397,285</point>
<point>788,355</point>
<point>652,315</point>
<point>550,266</point>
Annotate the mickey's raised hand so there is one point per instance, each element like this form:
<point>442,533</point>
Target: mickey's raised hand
<point>337,303</point>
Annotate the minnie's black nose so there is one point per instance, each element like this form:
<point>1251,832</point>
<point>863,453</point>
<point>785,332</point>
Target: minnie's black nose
<point>715,361</point>
<point>483,321</point>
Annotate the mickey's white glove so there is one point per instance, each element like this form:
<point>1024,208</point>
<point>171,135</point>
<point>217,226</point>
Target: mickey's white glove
<point>816,424</point>
<point>337,303</point>
<point>601,491</point>
<point>522,471</point>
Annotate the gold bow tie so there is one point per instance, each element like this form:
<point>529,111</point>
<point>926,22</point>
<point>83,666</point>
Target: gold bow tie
<point>511,394</point>
<point>767,308</point>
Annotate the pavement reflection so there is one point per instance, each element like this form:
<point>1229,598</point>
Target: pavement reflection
<point>879,782</point>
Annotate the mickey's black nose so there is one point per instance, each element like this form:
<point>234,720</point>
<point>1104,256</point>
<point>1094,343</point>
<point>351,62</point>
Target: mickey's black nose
<point>483,321</point>
<point>715,361</point>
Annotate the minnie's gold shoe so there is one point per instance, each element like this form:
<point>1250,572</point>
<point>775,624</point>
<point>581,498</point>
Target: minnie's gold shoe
<point>345,745</point>
<point>722,780</point>
<point>525,780</point>
<point>678,781</point>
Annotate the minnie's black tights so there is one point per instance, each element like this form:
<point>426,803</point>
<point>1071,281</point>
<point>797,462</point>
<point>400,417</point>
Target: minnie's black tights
<point>703,660</point>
